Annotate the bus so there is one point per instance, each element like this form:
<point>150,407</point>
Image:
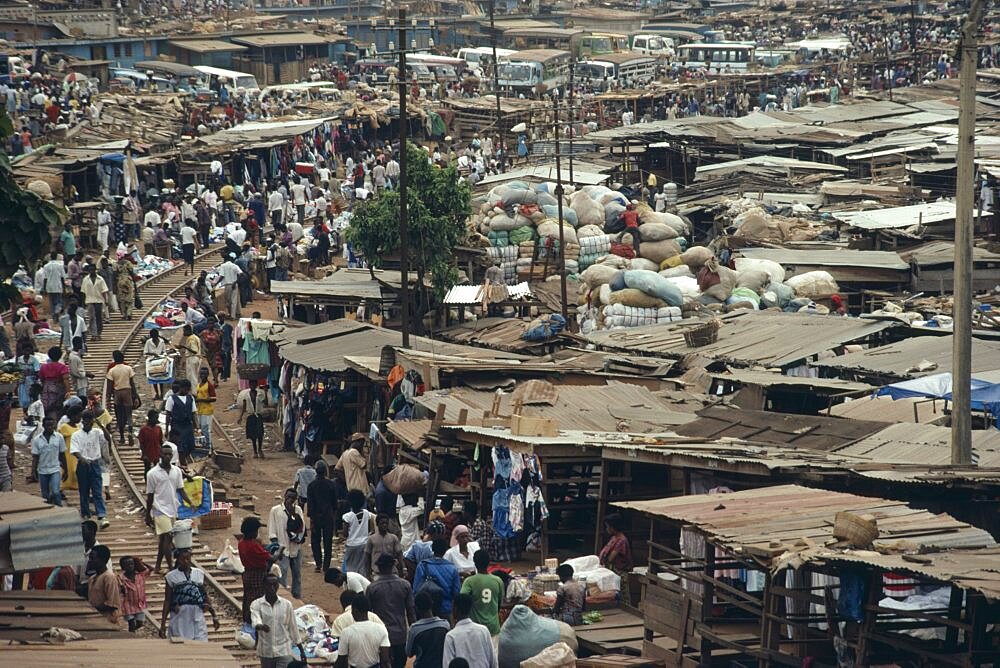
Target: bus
<point>535,70</point>
<point>444,68</point>
<point>598,43</point>
<point>479,57</point>
<point>720,58</point>
<point>651,44</point>
<point>543,38</point>
<point>630,69</point>
<point>237,79</point>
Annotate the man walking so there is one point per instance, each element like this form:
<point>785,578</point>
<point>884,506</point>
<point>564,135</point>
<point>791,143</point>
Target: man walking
<point>486,591</point>
<point>103,227</point>
<point>391,598</point>
<point>287,528</point>
<point>48,460</point>
<point>467,639</point>
<point>229,274</point>
<point>321,502</point>
<point>95,296</point>
<point>163,482</point>
<point>86,445</point>
<point>425,639</point>
<point>277,632</point>
<point>54,283</point>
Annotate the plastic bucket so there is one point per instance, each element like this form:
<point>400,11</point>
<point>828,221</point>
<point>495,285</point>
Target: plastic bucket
<point>182,534</point>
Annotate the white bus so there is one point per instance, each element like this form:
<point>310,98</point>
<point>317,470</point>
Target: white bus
<point>652,45</point>
<point>236,79</point>
<point>526,71</point>
<point>630,69</point>
<point>718,58</point>
<point>482,56</point>
<point>444,68</point>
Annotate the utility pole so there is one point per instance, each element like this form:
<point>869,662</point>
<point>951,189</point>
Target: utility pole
<point>496,83</point>
<point>572,120</point>
<point>404,285</point>
<point>961,313</point>
<point>559,205</point>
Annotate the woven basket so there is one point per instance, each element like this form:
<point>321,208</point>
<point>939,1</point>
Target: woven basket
<point>253,371</point>
<point>216,519</point>
<point>702,335</point>
<point>858,530</point>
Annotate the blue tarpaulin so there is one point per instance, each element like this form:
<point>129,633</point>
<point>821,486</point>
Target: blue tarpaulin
<point>985,395</point>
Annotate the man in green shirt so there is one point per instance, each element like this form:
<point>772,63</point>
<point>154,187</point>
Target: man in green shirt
<point>487,593</point>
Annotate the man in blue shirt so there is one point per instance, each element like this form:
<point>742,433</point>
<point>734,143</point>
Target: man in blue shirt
<point>421,549</point>
<point>68,241</point>
<point>439,578</point>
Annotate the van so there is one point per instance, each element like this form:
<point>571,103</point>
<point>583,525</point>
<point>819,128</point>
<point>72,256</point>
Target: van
<point>652,45</point>
<point>238,80</point>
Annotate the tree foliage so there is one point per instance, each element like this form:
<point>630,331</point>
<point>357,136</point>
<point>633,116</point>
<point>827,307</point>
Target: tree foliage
<point>437,207</point>
<point>25,218</point>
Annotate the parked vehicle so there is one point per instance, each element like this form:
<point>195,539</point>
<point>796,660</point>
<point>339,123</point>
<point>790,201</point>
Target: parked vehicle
<point>629,69</point>
<point>534,70</point>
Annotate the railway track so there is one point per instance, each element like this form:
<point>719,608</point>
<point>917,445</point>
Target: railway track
<point>128,533</point>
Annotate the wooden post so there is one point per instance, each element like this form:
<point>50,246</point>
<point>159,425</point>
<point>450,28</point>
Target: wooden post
<point>954,614</point>
<point>602,500</point>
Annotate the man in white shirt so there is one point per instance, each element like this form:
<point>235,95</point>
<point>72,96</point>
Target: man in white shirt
<point>87,445</point>
<point>346,618</point>
<point>275,205</point>
<point>364,643</point>
<point>189,242</point>
<point>274,620</point>
<point>103,227</point>
<point>392,172</point>
<point>229,273</point>
<point>95,294</point>
<point>54,283</point>
<point>152,217</point>
<point>299,199</point>
<point>354,582</point>
<point>295,229</point>
<point>323,172</point>
<point>193,317</point>
<point>286,526</point>
<point>237,234</point>
<point>163,482</point>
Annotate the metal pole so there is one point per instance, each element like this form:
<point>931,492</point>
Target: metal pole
<point>572,120</point>
<point>961,312</point>
<point>559,205</point>
<point>496,85</point>
<point>404,288</point>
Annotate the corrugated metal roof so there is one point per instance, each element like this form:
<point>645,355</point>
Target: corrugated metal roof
<point>34,534</point>
<point>287,39</point>
<point>466,295</point>
<point>923,444</point>
<point>498,333</point>
<point>25,614</point>
<point>814,432</point>
<point>770,521</point>
<point>324,347</point>
<point>775,379</point>
<point>943,252</point>
<point>750,338</point>
<point>599,408</point>
<point>900,216</point>
<point>206,45</point>
<point>885,408</point>
<point>900,359</point>
<point>120,653</point>
<point>841,257</point>
<point>346,283</point>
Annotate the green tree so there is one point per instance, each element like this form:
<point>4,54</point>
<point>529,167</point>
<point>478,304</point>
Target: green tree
<point>25,218</point>
<point>437,208</point>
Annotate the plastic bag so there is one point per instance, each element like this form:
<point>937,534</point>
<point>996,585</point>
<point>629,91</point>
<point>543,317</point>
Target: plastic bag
<point>559,655</point>
<point>654,285</point>
<point>229,560</point>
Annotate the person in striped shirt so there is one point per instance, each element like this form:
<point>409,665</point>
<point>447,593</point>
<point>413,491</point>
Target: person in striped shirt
<point>132,580</point>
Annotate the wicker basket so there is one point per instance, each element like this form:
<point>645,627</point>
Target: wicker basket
<point>703,334</point>
<point>253,371</point>
<point>220,517</point>
<point>858,530</point>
